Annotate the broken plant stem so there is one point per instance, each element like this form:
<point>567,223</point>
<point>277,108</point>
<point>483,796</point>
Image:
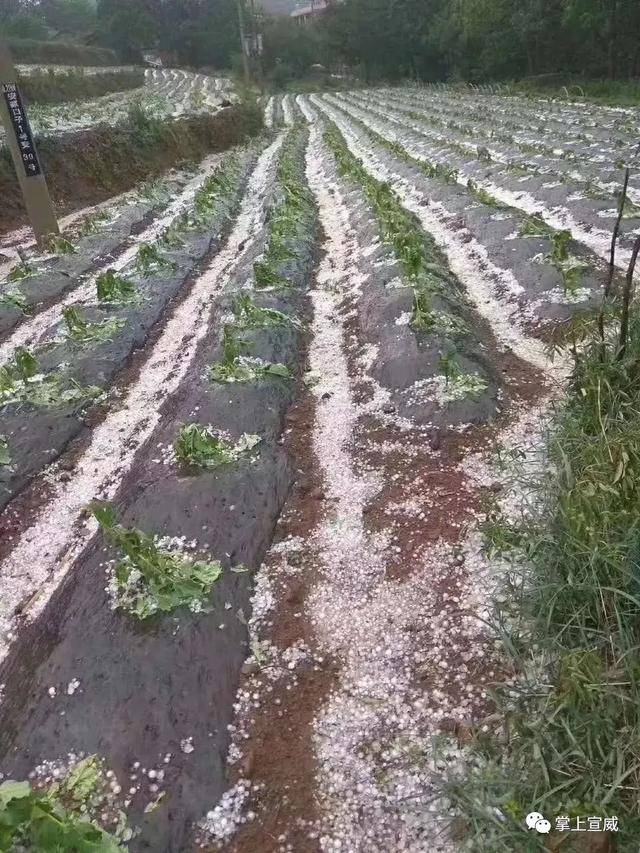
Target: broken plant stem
<point>626,301</point>
<point>612,260</point>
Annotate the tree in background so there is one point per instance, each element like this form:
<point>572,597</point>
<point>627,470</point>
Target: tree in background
<point>75,16</point>
<point>486,39</point>
<point>290,50</point>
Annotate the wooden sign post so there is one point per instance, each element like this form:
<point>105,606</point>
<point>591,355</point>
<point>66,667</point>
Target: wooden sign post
<point>23,150</point>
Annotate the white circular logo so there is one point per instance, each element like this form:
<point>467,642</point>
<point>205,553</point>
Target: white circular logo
<point>532,819</point>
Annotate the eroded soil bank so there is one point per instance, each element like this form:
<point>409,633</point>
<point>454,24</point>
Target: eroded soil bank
<point>88,167</point>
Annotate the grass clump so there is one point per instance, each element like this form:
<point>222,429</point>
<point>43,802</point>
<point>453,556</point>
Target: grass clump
<point>568,619</point>
<point>200,446</point>
<point>115,289</point>
<point>83,333</point>
<point>59,818</point>
<point>22,382</point>
<point>152,577</point>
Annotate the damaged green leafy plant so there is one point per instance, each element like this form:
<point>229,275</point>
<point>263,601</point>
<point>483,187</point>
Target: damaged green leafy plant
<point>236,366</point>
<point>23,270</point>
<point>249,315</point>
<point>457,384</point>
<point>199,446</point>
<point>14,299</point>
<point>59,245</point>
<point>5,454</point>
<point>425,318</point>
<point>150,260</point>
<point>82,333</point>
<point>440,171</point>
<point>55,819</point>
<point>115,289</point>
<point>217,191</point>
<point>171,237</point>
<point>150,578</point>
<point>92,224</point>
<point>485,197</point>
<point>570,268</point>
<point>21,382</point>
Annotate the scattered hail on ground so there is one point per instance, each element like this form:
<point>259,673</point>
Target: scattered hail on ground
<point>248,440</point>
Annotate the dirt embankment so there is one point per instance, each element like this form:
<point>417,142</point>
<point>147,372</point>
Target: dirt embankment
<point>47,87</point>
<point>88,167</point>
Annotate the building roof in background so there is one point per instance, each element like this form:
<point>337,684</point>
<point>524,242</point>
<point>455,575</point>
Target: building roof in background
<point>316,7</point>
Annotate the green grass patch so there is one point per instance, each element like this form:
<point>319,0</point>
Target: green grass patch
<point>567,621</point>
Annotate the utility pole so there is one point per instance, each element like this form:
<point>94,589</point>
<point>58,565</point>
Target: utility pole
<point>23,151</point>
<point>256,43</point>
<point>243,41</point>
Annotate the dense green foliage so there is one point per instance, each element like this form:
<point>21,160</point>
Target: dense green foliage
<point>188,32</point>
<point>59,53</point>
<point>204,32</point>
<point>487,39</point>
<point>553,41</point>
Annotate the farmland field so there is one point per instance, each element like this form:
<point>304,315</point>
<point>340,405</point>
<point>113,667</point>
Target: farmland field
<point>166,93</point>
<point>256,416</point>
